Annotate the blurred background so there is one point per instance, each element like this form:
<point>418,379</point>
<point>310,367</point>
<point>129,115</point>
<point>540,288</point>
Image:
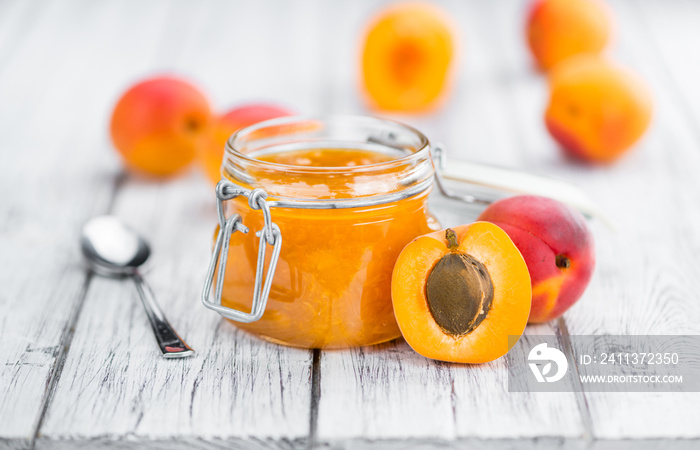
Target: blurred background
<point>306,55</point>
<point>64,66</point>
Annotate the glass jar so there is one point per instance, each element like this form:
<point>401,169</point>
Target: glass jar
<point>332,201</point>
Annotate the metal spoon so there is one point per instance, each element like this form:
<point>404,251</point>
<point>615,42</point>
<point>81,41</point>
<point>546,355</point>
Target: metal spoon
<point>112,249</point>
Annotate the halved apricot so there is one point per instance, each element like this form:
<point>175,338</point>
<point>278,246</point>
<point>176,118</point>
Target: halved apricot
<point>559,29</point>
<point>407,57</point>
<point>458,294</point>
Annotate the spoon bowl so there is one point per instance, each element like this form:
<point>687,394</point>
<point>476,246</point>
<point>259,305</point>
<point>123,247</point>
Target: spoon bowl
<point>113,249</point>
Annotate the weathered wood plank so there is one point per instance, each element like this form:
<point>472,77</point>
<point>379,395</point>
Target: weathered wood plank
<point>115,385</point>
<point>51,124</point>
<point>659,246</point>
<point>390,392</point>
<point>382,391</point>
<point>238,390</point>
<point>387,393</point>
<point>644,282</point>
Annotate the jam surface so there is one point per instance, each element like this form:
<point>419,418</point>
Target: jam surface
<point>332,286</point>
<point>327,157</point>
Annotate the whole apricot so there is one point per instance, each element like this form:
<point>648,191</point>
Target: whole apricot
<point>158,124</point>
<point>458,294</point>
<point>211,155</point>
<point>407,57</point>
<point>557,246</point>
<point>558,29</point>
<point>596,110</point>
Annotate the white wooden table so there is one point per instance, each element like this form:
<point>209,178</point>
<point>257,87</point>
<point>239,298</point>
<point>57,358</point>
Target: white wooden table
<point>78,364</point>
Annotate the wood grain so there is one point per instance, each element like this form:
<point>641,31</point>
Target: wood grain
<point>53,179</point>
<point>658,209</point>
<point>237,390</point>
<point>643,282</point>
<point>115,384</point>
<point>79,361</point>
<point>391,393</point>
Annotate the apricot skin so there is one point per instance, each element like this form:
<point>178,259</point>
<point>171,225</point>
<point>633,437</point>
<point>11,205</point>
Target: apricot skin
<point>597,111</point>
<point>211,155</point>
<point>407,57</point>
<point>158,124</point>
<point>543,228</point>
<point>558,29</point>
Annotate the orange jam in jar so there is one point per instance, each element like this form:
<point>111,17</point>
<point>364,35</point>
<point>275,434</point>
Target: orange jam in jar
<point>347,193</point>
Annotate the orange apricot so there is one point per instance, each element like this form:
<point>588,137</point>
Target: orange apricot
<point>158,124</point>
<point>407,57</point>
<point>557,246</point>
<point>458,294</point>
<point>597,110</point>
<point>211,155</point>
<point>558,29</point>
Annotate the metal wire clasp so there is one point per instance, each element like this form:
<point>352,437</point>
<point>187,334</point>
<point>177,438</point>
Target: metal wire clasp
<point>269,235</point>
<point>439,157</point>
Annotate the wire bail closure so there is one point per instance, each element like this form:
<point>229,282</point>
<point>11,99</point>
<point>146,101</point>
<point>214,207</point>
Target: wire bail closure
<point>269,235</point>
<point>439,162</point>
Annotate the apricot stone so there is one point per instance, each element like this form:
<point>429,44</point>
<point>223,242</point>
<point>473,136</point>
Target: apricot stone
<point>459,290</point>
<point>597,110</point>
<point>407,57</point>
<point>557,246</point>
<point>558,29</point>
<point>211,155</point>
<point>158,125</point>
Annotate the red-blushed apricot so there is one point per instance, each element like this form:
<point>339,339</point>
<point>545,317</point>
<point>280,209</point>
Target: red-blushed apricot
<point>558,29</point>
<point>557,245</point>
<point>158,125</point>
<point>597,110</point>
<point>458,294</point>
<point>407,57</point>
<point>211,155</point>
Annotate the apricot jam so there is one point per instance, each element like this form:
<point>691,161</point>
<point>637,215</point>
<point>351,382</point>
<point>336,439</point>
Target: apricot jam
<point>332,284</point>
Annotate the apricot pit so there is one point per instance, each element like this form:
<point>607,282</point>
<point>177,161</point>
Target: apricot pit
<point>459,290</point>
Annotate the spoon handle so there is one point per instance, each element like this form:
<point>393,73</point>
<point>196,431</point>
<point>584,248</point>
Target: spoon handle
<point>171,345</point>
